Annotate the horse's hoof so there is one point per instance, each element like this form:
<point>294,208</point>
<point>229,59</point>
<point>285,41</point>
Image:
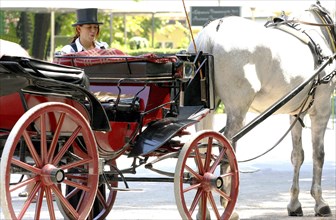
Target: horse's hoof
<point>297,212</point>
<point>324,212</point>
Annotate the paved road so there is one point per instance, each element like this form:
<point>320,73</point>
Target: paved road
<point>264,193</point>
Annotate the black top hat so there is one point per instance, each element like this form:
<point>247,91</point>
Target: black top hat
<point>87,16</point>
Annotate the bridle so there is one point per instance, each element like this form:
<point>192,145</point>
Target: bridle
<point>326,21</point>
<point>311,23</point>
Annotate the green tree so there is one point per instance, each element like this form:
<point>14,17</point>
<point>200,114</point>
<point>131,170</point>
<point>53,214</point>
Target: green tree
<point>24,29</point>
<point>41,35</point>
<point>8,24</point>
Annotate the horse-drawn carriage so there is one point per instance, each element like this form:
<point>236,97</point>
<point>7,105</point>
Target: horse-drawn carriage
<point>63,129</point>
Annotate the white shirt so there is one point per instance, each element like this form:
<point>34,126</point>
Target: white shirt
<point>68,48</point>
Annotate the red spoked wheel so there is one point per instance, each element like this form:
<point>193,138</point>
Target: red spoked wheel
<point>198,181</point>
<point>105,197</point>
<point>103,204</point>
<point>46,136</point>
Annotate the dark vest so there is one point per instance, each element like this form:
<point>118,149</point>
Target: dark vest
<point>74,46</point>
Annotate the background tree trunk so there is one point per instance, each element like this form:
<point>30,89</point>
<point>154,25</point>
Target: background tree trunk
<point>42,26</point>
<point>24,30</point>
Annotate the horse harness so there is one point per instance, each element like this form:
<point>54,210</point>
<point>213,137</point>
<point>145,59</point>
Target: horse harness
<point>293,27</point>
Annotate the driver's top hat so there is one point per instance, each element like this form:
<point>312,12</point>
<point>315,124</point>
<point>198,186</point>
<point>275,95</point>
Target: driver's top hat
<point>87,16</point>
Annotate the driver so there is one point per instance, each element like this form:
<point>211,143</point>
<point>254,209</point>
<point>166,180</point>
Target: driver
<point>86,32</point>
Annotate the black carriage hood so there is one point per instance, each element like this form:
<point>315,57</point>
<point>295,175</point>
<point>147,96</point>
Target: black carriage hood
<point>18,73</point>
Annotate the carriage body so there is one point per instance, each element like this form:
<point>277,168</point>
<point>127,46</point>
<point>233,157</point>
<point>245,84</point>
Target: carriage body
<point>62,126</point>
<point>137,91</point>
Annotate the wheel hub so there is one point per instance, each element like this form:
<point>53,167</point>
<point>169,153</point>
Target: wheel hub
<point>51,174</point>
<point>211,181</point>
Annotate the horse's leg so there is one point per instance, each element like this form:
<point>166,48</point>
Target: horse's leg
<point>234,122</point>
<point>297,158</point>
<point>319,125</point>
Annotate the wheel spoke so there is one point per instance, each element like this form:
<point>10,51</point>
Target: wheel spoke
<point>77,185</point>
<point>199,162</point>
<point>213,205</point>
<point>217,161</point>
<point>38,206</point>
<point>80,201</point>
<point>195,201</point>
<point>227,174</point>
<point>102,199</point>
<point>195,186</point>
<point>72,193</point>
<point>24,183</point>
<point>76,164</point>
<point>223,194</point>
<point>66,146</point>
<point>29,200</point>
<point>32,149</point>
<point>75,176</point>
<point>203,206</point>
<point>26,166</point>
<point>43,133</point>
<point>196,175</point>
<point>208,154</point>
<point>55,137</point>
<point>50,204</point>
<point>65,202</point>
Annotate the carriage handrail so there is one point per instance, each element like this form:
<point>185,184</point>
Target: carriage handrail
<point>281,102</point>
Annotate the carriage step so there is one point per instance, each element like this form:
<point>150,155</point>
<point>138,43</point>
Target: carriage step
<point>126,189</point>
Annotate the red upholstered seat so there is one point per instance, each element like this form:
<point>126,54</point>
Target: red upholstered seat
<point>104,56</point>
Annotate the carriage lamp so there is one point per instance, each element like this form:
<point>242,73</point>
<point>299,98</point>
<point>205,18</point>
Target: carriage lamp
<point>188,70</point>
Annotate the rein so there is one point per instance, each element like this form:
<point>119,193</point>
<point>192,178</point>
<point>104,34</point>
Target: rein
<point>307,23</point>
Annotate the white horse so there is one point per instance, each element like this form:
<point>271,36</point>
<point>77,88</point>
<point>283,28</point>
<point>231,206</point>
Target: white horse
<point>255,66</point>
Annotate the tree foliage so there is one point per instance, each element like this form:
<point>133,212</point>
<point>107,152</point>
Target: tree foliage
<point>136,26</point>
<point>20,26</point>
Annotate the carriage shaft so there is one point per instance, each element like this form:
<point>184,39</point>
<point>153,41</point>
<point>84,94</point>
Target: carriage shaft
<point>281,102</point>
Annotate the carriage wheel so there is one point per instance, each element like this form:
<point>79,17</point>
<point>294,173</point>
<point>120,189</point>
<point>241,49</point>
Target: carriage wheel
<point>102,205</point>
<point>50,155</point>
<point>198,182</point>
